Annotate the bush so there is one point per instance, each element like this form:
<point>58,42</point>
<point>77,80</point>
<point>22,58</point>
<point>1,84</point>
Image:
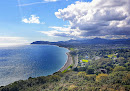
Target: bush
<point>119,68</point>
<point>54,78</point>
<point>90,71</point>
<point>120,77</point>
<point>82,74</point>
<point>102,78</point>
<point>90,77</point>
<point>75,69</point>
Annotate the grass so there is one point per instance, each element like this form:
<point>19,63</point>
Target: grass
<point>72,49</point>
<point>111,55</point>
<point>84,60</point>
<point>67,69</point>
<point>64,71</point>
<point>115,56</point>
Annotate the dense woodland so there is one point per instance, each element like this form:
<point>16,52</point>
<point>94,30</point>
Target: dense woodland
<point>107,69</point>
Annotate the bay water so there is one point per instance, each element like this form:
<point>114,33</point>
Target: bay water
<point>22,62</point>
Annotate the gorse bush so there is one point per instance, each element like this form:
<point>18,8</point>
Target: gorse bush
<point>102,78</point>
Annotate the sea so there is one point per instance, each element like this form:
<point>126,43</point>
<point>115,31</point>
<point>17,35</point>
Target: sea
<point>22,62</point>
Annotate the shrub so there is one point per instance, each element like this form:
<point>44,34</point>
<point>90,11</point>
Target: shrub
<point>82,74</point>
<point>90,77</point>
<point>102,77</point>
<point>121,77</point>
<point>90,71</point>
<point>119,68</point>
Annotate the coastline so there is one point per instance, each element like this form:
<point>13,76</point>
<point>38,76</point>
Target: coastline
<point>68,62</point>
<point>69,59</point>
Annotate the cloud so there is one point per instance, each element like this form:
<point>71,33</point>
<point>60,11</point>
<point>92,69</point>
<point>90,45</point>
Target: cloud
<point>28,4</point>
<point>98,18</point>
<point>62,31</point>
<point>32,19</point>
<point>44,1</point>
<point>9,41</point>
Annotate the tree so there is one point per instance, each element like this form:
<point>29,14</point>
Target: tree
<point>90,71</point>
<point>119,68</point>
<point>82,74</point>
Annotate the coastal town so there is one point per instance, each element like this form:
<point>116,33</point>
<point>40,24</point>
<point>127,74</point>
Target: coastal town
<point>83,56</point>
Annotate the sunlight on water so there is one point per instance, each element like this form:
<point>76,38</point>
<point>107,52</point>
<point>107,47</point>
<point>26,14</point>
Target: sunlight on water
<point>22,62</point>
<point>12,44</point>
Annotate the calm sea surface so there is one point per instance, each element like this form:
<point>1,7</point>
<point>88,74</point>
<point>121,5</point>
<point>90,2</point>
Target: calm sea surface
<point>30,61</point>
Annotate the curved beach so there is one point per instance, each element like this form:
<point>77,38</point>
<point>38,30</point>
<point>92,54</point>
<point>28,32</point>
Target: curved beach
<point>68,63</point>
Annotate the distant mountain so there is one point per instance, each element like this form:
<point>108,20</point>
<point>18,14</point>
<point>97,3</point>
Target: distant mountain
<point>88,41</point>
<point>102,41</point>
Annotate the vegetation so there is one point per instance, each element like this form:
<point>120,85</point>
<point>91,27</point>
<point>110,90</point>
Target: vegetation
<point>72,49</point>
<point>111,55</point>
<point>67,69</point>
<point>108,70</point>
<point>85,60</point>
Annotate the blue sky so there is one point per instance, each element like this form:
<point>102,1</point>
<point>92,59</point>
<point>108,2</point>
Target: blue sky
<point>32,20</point>
<point>12,15</point>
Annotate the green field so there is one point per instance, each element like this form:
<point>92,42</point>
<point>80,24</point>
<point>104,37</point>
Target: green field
<point>111,55</point>
<point>67,69</point>
<point>84,60</point>
<point>72,49</point>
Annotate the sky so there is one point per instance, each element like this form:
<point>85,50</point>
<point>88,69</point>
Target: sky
<point>25,21</point>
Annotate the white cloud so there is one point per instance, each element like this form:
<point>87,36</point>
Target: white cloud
<point>10,41</point>
<point>50,0</point>
<point>98,18</point>
<point>62,31</point>
<point>32,19</point>
<point>44,1</point>
<point>28,4</point>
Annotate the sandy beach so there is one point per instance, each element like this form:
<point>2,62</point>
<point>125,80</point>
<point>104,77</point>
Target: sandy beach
<point>68,63</point>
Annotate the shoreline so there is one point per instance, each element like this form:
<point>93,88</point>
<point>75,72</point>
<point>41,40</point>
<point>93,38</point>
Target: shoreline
<point>69,59</point>
<point>68,62</point>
